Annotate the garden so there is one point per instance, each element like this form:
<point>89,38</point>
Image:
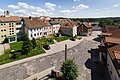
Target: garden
<point>26,48</point>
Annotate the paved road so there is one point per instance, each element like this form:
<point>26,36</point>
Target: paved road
<point>85,54</point>
<point>88,54</point>
<point>60,46</point>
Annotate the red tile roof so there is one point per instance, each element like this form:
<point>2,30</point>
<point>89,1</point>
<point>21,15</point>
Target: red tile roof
<point>112,40</point>
<point>87,25</point>
<point>109,28</point>
<point>114,53</point>
<point>11,18</point>
<point>116,33</point>
<point>34,22</point>
<point>67,23</point>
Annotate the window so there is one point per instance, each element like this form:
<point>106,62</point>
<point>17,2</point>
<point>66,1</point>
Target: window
<point>34,34</point>
<point>4,29</point>
<point>2,36</point>
<point>16,23</point>
<point>45,33</point>
<point>19,23</point>
<point>37,33</point>
<point>9,26</point>
<point>10,33</point>
<point>31,35</point>
<point>40,33</point>
<point>1,24</point>
<point>1,30</point>
<point>9,23</point>
<point>10,29</point>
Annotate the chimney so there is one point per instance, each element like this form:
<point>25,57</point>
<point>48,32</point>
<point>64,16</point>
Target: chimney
<point>30,17</point>
<point>6,13</point>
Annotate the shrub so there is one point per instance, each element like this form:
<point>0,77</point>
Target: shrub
<point>27,45</point>
<point>78,37</point>
<point>34,43</point>
<point>69,70</point>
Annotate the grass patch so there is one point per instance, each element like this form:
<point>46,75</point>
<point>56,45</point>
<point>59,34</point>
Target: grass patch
<point>5,58</point>
<point>78,37</point>
<point>33,52</point>
<point>16,45</point>
<point>44,41</point>
<point>62,38</point>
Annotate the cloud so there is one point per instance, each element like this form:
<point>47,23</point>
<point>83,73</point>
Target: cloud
<point>65,11</point>
<point>1,10</point>
<point>59,6</point>
<point>13,7</point>
<point>81,6</point>
<point>50,6</point>
<point>23,5</point>
<point>76,0</point>
<point>75,9</point>
<point>21,11</point>
<point>115,5</point>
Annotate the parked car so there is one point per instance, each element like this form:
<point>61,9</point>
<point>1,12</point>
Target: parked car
<point>46,47</point>
<point>72,39</point>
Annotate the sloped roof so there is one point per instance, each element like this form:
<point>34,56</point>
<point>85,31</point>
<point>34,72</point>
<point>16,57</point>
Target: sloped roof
<point>112,40</point>
<point>88,25</point>
<point>34,22</point>
<point>116,61</point>
<point>109,28</point>
<point>67,23</point>
<point>11,18</point>
<point>116,33</point>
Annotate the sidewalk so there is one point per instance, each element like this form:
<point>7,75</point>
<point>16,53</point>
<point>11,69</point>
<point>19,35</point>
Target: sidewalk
<point>60,46</point>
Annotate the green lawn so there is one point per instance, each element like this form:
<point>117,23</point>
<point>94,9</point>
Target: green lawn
<point>62,38</point>
<point>38,50</point>
<point>5,58</point>
<point>16,45</point>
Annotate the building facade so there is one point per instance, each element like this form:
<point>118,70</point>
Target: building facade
<point>85,29</point>
<point>69,28</point>
<point>36,27</point>
<point>10,27</point>
<point>110,51</point>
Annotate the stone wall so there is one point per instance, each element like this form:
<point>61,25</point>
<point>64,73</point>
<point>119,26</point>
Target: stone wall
<point>4,47</point>
<point>22,69</point>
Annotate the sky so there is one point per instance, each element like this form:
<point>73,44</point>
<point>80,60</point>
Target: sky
<point>62,8</point>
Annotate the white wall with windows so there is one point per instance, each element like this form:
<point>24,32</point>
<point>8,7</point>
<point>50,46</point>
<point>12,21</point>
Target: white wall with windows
<point>34,32</point>
<point>55,28</point>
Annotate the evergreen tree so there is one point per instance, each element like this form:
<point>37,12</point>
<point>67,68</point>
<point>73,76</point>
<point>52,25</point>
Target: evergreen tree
<point>27,45</point>
<point>34,43</point>
<point>69,70</point>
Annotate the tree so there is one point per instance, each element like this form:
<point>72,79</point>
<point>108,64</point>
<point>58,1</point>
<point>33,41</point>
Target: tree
<point>27,45</point>
<point>34,43</point>
<point>69,70</point>
<point>109,21</point>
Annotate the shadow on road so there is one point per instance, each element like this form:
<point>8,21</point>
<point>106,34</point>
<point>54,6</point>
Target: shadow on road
<point>97,39</point>
<point>98,70</point>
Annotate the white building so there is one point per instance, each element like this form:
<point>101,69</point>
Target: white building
<point>36,27</point>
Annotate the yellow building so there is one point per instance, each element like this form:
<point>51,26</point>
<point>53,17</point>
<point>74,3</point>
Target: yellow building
<point>10,27</point>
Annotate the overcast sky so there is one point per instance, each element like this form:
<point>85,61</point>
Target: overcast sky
<point>62,8</point>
